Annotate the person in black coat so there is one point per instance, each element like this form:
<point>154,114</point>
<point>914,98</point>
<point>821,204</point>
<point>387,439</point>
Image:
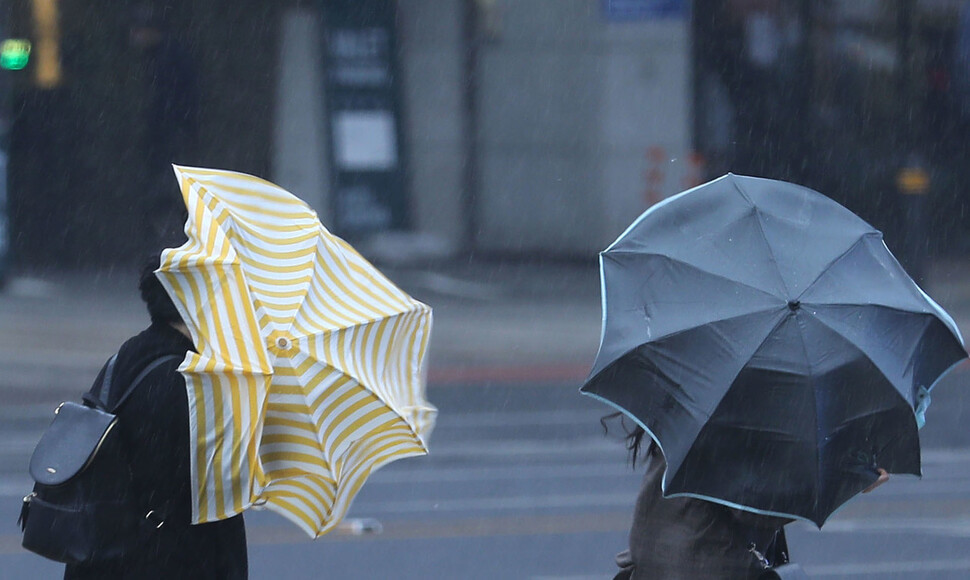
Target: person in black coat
<point>153,424</point>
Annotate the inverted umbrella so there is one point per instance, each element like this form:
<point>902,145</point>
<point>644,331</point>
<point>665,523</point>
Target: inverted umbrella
<point>767,340</point>
<point>309,371</point>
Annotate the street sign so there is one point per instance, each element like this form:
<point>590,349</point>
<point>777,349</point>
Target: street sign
<point>364,117</point>
<point>643,9</point>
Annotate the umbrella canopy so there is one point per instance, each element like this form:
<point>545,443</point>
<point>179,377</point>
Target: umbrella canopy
<point>309,371</point>
<point>767,340</point>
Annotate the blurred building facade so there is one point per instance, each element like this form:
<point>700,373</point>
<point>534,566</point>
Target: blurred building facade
<point>497,127</point>
<point>532,126</point>
<point>863,100</point>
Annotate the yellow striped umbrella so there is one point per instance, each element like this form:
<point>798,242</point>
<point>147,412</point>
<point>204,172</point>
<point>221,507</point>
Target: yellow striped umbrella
<point>309,373</point>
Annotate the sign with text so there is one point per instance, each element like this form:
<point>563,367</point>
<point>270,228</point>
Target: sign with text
<point>364,117</point>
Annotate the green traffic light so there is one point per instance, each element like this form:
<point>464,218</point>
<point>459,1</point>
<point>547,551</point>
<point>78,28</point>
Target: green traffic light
<point>14,53</point>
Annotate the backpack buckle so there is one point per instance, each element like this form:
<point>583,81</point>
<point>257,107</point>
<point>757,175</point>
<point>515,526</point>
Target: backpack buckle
<point>761,557</point>
<point>153,518</point>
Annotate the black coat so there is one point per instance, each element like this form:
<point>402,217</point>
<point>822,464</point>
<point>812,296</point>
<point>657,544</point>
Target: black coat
<point>153,425</point>
<point>683,538</point>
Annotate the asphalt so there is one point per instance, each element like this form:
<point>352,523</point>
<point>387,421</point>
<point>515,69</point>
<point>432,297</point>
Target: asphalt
<point>497,321</point>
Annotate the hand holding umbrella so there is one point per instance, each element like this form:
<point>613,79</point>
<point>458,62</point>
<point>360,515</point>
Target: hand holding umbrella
<point>883,478</point>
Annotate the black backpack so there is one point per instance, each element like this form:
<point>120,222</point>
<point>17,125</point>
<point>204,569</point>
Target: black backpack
<point>82,509</point>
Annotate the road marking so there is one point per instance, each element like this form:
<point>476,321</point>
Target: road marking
<point>34,288</point>
<point>945,456</point>
<point>855,569</point>
<point>15,486</point>
<point>959,527</point>
<point>500,419</point>
<point>883,567</point>
<point>491,449</point>
<point>17,483</point>
<point>475,527</point>
<point>580,577</point>
<point>34,412</point>
<point>525,448</point>
<point>19,443</point>
<point>592,470</point>
<point>503,503</point>
<point>471,527</point>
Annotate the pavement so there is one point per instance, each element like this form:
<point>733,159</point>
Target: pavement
<point>498,321</point>
<point>492,321</point>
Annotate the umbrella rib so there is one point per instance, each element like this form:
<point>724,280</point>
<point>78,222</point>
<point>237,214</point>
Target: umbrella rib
<point>692,328</point>
<point>761,228</point>
<point>734,378</point>
<point>836,259</point>
<point>818,455</point>
<point>414,306</point>
<point>866,355</point>
<point>719,320</point>
<point>929,320</point>
<point>695,267</point>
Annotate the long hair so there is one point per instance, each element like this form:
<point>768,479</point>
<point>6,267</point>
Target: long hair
<point>633,436</point>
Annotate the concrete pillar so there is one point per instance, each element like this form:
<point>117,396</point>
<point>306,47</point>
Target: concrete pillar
<point>644,133</point>
<point>540,92</point>
<point>582,121</point>
<point>432,55</point>
<point>299,156</point>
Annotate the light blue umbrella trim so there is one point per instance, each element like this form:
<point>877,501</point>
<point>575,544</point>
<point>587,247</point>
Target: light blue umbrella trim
<point>924,395</point>
<point>602,307</point>
<point>942,314</point>
<point>663,481</point>
<point>661,204</point>
<point>642,216</point>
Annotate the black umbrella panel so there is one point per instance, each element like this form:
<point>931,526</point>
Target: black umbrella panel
<point>770,343</point>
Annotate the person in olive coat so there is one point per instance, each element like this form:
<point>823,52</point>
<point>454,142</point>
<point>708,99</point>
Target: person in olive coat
<point>683,538</point>
<point>154,427</point>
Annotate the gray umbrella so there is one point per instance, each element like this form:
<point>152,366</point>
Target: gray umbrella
<point>765,337</point>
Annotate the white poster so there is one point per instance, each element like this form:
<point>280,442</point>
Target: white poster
<point>365,140</point>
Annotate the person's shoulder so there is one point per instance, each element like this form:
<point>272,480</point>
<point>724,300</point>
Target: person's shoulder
<point>159,349</point>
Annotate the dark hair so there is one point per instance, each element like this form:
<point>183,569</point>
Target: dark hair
<point>160,305</point>
<point>633,436</point>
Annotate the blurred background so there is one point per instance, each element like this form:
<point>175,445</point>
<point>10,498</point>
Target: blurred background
<point>481,152</point>
<point>484,127</point>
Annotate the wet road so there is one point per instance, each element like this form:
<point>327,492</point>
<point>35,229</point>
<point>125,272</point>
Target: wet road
<point>522,483</point>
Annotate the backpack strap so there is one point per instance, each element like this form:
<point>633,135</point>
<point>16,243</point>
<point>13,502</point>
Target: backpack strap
<point>93,397</point>
<point>141,376</point>
<point>100,394</point>
<point>155,518</point>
